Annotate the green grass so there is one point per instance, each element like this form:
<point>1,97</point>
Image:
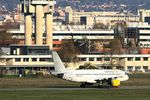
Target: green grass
<point>39,82</point>
<point>91,94</point>
<point>50,81</point>
<point>138,80</point>
<point>95,94</point>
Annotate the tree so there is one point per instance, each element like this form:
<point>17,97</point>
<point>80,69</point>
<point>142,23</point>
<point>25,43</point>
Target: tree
<point>1,51</point>
<point>116,46</point>
<point>10,25</point>
<point>88,65</point>
<point>6,39</point>
<point>69,51</point>
<point>100,26</point>
<point>120,31</point>
<point>3,37</point>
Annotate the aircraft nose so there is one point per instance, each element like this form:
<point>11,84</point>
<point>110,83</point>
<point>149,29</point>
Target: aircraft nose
<point>126,77</point>
<point>123,78</point>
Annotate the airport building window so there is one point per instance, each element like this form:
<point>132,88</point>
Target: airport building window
<point>145,58</point>
<point>145,68</point>
<point>56,45</point>
<point>99,59</point>
<point>137,59</point>
<point>130,67</point>
<point>25,59</point>
<point>137,68</point>
<point>18,59</point>
<point>34,59</point>
<point>130,58</point>
<point>82,59</point>
<point>91,59</point>
<point>45,59</point>
<point>107,59</point>
<point>39,52</point>
<point>49,59</point>
<point>52,68</point>
<point>42,59</point>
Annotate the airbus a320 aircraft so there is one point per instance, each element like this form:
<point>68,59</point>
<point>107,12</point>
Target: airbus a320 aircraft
<point>88,77</point>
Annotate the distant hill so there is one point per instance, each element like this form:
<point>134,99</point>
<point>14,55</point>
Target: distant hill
<point>9,4</point>
<point>132,5</point>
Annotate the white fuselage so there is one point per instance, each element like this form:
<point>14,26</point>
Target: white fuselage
<point>90,76</point>
<point>86,76</point>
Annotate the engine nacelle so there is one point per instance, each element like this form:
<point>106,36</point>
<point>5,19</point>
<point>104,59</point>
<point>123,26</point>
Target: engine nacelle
<point>115,82</point>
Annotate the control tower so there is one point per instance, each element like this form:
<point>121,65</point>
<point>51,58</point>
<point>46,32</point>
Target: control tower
<point>38,16</point>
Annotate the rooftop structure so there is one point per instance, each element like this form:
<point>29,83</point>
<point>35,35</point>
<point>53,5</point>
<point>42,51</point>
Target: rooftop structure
<point>62,32</point>
<point>90,18</point>
<point>140,31</point>
<point>39,12</point>
<point>144,15</point>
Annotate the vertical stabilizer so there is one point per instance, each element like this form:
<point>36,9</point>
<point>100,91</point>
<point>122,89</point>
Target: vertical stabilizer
<point>58,64</point>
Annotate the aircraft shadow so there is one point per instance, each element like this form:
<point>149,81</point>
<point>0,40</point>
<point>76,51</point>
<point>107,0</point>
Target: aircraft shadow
<point>103,87</point>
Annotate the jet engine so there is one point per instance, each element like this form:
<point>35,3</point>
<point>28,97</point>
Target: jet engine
<point>114,82</point>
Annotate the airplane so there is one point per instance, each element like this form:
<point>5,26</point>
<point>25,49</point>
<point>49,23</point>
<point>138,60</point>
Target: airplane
<point>88,76</point>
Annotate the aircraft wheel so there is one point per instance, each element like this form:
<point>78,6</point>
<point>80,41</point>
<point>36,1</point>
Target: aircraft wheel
<point>82,85</point>
<point>100,86</point>
<point>115,86</point>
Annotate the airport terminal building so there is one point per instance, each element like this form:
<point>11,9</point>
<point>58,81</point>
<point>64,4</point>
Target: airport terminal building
<point>38,37</point>
<point>36,58</point>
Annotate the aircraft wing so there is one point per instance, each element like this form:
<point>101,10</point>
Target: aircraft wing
<point>95,80</point>
<point>91,81</point>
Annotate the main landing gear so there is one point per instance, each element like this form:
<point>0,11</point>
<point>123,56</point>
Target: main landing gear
<point>100,85</point>
<point>83,84</point>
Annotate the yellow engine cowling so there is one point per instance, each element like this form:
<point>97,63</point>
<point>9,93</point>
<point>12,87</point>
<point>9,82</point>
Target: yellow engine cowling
<point>115,83</point>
